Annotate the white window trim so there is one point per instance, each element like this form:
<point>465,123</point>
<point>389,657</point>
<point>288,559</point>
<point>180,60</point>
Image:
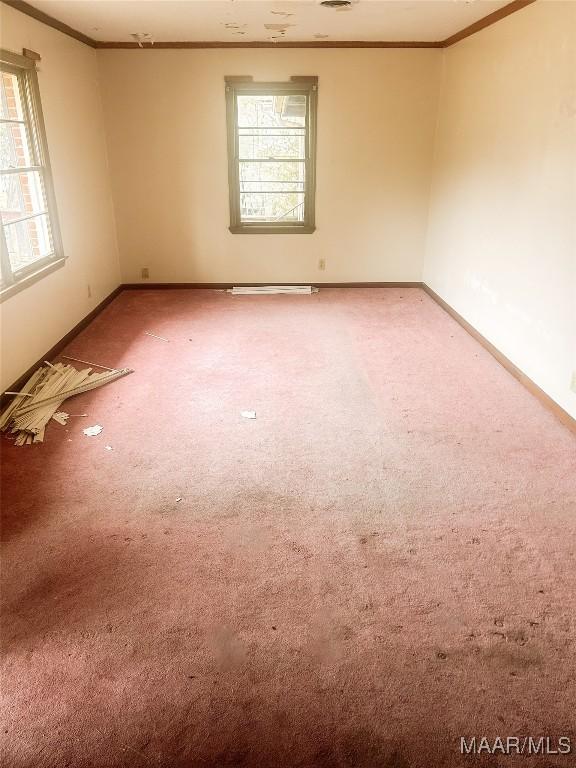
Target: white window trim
<point>25,68</point>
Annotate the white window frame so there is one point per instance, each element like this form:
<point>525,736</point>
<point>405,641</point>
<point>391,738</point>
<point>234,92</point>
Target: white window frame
<point>24,67</point>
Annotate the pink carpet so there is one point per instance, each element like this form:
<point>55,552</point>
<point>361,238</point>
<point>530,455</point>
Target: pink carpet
<point>382,562</point>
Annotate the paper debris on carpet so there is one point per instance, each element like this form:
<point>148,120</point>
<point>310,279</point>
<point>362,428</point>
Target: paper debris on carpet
<point>241,290</point>
<point>248,414</point>
<point>155,336</point>
<point>108,448</point>
<point>61,417</point>
<point>41,397</point>
<point>93,431</point>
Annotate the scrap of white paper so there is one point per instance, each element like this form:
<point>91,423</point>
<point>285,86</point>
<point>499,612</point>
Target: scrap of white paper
<point>93,431</point>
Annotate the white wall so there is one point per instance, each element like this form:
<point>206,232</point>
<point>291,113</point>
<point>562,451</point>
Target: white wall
<point>166,123</point>
<point>501,247</point>
<point>37,317</point>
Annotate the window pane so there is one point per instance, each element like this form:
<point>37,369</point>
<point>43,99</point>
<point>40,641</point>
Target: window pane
<point>14,150</point>
<point>266,111</point>
<point>29,235</point>
<point>28,241</point>
<point>273,186</point>
<point>10,97</point>
<point>272,172</point>
<point>272,191</point>
<point>265,143</point>
<point>21,194</point>
<point>272,207</point>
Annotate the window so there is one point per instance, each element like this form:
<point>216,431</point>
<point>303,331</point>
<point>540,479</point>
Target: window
<point>271,155</point>
<point>30,240</point>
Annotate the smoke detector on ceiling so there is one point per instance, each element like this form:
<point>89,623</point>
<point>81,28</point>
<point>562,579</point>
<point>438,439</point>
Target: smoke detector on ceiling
<point>336,3</point>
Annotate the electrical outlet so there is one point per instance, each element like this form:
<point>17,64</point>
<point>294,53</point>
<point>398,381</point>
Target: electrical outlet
<point>573,384</point>
<point>322,264</point>
<point>89,291</point>
<point>145,272</point>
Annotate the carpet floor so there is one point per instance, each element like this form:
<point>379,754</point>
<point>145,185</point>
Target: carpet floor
<point>378,564</point>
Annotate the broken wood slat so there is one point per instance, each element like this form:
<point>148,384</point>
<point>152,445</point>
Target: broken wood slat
<point>26,389</point>
<point>96,380</point>
<point>85,362</point>
<point>43,394</point>
<point>52,389</point>
<point>34,415</point>
<point>35,421</point>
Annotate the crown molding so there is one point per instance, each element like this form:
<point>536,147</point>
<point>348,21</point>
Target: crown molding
<point>50,21</point>
<point>280,44</point>
<point>487,21</point>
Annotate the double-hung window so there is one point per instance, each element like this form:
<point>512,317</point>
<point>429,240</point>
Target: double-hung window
<point>271,155</point>
<point>30,242</point>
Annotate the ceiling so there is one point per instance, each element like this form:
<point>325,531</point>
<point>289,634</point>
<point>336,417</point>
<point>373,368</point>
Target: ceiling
<point>260,20</point>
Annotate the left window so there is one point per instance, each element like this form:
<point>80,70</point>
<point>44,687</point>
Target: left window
<point>30,242</point>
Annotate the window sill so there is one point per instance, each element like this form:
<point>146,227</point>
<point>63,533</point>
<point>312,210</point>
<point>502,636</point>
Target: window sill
<point>24,282</point>
<point>259,229</point>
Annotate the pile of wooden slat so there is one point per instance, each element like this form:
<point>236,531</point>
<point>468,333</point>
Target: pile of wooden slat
<point>43,394</point>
